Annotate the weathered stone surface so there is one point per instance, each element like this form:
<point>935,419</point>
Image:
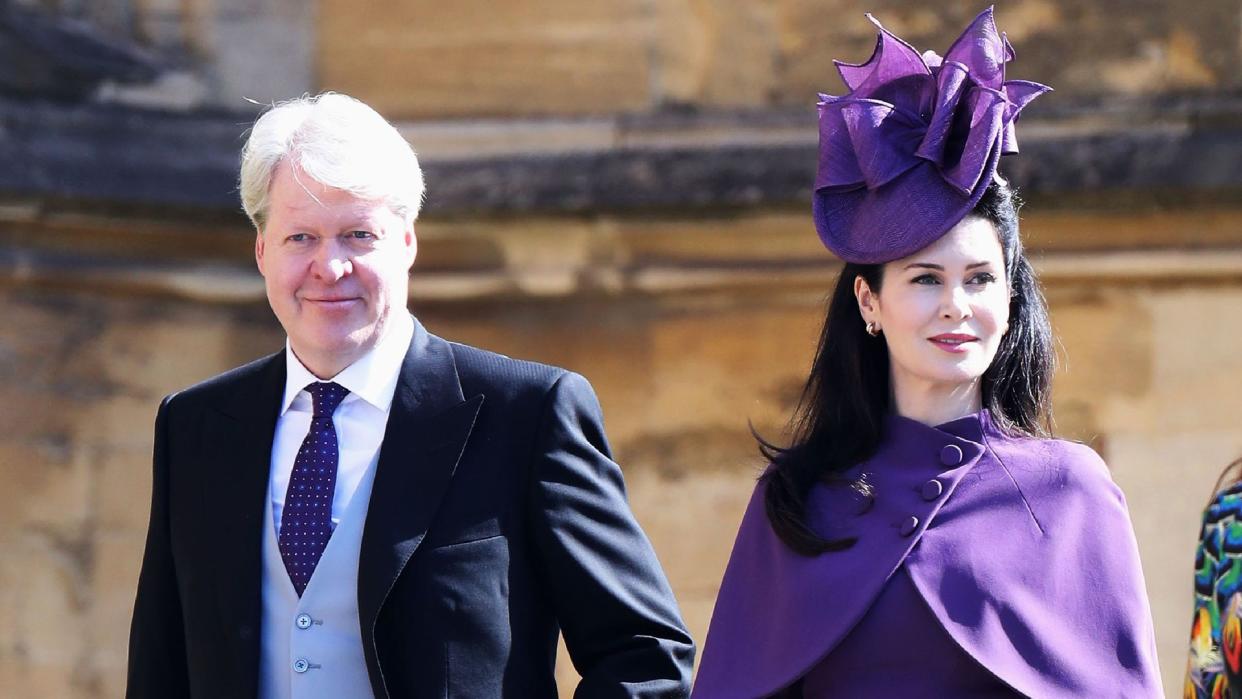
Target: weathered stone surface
<point>1101,48</point>
<point>260,52</point>
<point>479,57</point>
<point>127,160</point>
<point>713,53</point>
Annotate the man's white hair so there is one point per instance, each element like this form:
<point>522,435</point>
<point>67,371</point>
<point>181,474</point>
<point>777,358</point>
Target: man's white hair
<point>339,142</point>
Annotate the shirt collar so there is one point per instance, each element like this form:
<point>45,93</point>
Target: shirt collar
<point>373,377</point>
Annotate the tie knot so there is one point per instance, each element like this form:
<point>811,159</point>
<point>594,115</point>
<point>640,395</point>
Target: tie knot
<point>326,397</point>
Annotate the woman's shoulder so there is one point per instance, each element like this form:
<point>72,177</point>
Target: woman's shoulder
<point>1050,453</point>
<point>1226,503</point>
<point>1056,468</point>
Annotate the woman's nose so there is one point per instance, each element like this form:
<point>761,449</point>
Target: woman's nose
<point>956,303</point>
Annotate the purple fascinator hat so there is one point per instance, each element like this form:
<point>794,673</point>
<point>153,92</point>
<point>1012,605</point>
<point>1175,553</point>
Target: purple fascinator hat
<point>910,150</point>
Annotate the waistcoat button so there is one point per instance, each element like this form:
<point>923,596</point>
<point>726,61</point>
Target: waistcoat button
<point>301,665</point>
<point>303,621</point>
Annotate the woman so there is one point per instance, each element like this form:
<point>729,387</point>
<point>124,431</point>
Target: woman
<point>1215,667</point>
<point>922,536</point>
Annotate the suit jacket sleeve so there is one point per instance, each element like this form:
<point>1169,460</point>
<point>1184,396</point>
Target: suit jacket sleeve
<point>621,624</point>
<point>157,658</point>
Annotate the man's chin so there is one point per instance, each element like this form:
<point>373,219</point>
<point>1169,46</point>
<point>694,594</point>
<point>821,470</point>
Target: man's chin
<point>340,347</point>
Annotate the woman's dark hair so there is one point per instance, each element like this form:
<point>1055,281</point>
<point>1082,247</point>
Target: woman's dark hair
<point>841,413</point>
<point>1228,478</point>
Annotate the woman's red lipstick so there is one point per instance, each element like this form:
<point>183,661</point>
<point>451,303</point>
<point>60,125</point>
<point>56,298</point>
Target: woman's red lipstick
<point>952,342</point>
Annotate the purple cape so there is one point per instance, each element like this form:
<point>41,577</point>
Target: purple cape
<point>1024,552</point>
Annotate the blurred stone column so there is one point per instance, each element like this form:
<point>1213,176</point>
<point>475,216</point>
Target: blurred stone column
<point>261,50</point>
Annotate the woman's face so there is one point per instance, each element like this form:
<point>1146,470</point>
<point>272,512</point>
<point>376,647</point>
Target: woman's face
<point>942,310</point>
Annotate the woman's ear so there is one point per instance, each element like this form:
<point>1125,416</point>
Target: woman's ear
<point>867,301</point>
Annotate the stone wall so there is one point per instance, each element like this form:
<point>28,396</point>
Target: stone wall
<point>563,57</point>
<point>616,187</point>
<point>476,58</point>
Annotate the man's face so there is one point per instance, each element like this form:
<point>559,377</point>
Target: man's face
<point>336,268</point>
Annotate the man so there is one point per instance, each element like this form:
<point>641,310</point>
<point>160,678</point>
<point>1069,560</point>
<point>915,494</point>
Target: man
<point>375,511</point>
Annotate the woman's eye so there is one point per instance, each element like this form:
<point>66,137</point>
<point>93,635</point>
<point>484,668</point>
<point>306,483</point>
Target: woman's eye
<point>925,279</point>
<point>984,278</point>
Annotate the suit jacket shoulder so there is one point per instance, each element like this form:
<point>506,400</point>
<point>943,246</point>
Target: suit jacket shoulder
<point>501,376</point>
<point>225,386</point>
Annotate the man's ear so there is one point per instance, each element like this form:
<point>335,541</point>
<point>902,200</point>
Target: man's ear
<point>410,240</point>
<point>259,250</point>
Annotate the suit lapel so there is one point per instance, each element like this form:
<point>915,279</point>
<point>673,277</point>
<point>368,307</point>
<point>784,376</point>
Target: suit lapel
<point>238,445</point>
<point>427,430</point>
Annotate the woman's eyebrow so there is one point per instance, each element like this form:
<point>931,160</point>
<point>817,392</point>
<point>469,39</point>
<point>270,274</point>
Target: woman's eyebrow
<point>931,265</point>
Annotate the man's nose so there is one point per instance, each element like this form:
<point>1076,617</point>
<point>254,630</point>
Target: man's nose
<point>331,263</point>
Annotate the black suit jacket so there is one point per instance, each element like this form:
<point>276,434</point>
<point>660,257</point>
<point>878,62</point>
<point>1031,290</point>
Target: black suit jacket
<point>497,517</point>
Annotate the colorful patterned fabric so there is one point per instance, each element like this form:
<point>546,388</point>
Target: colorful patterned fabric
<point>1215,664</point>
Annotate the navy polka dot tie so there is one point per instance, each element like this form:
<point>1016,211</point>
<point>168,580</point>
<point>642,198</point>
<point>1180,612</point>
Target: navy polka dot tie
<point>306,521</point>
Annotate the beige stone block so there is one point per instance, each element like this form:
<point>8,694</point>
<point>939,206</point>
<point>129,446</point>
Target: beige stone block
<point>51,497</point>
<point>479,57</point>
<point>1197,367</point>
<point>123,422</point>
<point>1167,478</point>
<point>696,608</point>
<point>44,601</point>
<point>1175,62</point>
<point>1156,360</point>
<point>1073,230</point>
<point>1106,47</point>
<point>813,33</point>
<point>731,240</point>
<point>24,679</point>
<point>154,356</point>
<point>123,489</point>
<point>118,558</point>
<point>692,521</point>
<point>723,368</point>
<point>1105,340</point>
<point>719,53</point>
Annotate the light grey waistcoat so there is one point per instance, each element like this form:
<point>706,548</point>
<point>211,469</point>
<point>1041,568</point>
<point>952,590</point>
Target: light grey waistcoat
<point>311,648</point>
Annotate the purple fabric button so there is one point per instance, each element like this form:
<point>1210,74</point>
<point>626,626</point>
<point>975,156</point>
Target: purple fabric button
<point>932,489</point>
<point>909,525</point>
<point>951,455</point>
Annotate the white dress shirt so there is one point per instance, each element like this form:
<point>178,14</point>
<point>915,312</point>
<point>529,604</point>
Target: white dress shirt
<point>360,419</point>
